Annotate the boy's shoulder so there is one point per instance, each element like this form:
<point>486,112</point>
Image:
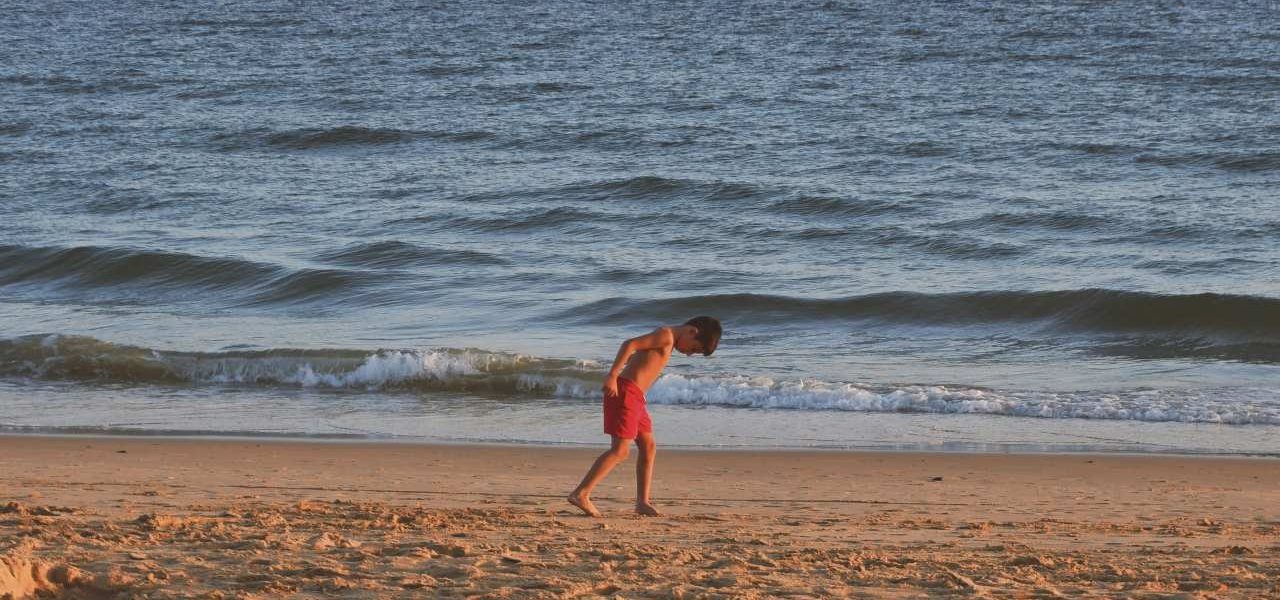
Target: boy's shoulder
<point>664,334</point>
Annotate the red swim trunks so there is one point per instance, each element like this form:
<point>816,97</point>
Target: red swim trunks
<point>625,415</point>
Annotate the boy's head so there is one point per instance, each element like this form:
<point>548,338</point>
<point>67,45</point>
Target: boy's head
<point>707,337</point>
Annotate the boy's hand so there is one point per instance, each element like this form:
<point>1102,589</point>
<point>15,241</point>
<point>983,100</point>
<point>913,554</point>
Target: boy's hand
<point>610,387</point>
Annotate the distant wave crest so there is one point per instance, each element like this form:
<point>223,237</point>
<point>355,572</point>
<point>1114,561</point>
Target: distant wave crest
<point>335,137</point>
<point>391,254</point>
<point>116,272</point>
<point>1087,308</point>
<point>1244,162</point>
<point>1200,325</point>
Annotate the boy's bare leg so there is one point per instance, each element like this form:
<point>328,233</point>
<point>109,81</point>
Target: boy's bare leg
<point>581,497</point>
<point>644,473</point>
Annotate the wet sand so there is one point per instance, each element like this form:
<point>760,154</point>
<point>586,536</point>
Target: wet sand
<point>101,517</point>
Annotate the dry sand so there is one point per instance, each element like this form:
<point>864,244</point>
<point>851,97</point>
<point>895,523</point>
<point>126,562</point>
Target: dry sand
<point>162,518</point>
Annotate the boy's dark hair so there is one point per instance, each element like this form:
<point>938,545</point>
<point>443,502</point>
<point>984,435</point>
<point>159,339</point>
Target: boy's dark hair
<point>708,333</point>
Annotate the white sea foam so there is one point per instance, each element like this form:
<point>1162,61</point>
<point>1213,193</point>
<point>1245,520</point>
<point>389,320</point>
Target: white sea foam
<point>473,370</point>
<point>580,379</point>
<point>382,369</point>
<point>1195,406</point>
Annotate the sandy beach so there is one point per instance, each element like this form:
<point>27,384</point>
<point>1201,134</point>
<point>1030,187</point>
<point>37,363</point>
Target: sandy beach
<point>104,517</point>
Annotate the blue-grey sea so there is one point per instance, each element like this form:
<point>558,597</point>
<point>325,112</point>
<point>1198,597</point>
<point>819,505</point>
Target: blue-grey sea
<point>982,225</point>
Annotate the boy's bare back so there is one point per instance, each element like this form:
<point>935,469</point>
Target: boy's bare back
<point>644,366</point>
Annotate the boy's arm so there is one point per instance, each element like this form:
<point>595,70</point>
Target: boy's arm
<point>659,338</point>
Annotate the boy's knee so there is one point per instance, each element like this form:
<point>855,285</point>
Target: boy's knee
<point>620,452</point>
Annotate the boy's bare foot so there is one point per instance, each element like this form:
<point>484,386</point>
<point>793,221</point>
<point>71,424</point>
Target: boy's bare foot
<point>584,504</point>
<point>646,509</point>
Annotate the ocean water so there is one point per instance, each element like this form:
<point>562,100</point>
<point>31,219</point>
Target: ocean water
<point>964,225</point>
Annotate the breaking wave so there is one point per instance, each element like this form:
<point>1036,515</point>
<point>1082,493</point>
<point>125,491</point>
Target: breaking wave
<point>1141,405</point>
<point>82,358</point>
<point>85,359</point>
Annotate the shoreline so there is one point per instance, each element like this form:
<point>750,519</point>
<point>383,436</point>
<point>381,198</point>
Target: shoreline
<point>221,519</point>
<point>950,448</point>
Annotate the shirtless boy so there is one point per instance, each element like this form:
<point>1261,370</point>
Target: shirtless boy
<point>640,360</point>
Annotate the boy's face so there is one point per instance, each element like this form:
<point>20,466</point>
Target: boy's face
<point>688,345</point>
